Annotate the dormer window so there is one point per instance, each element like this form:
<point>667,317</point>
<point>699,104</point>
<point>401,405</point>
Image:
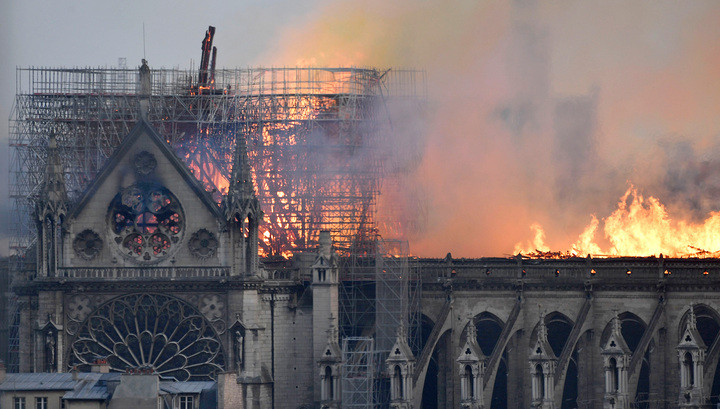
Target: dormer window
<point>186,402</point>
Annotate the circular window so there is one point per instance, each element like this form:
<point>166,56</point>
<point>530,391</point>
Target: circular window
<point>87,244</point>
<point>203,244</point>
<point>147,221</point>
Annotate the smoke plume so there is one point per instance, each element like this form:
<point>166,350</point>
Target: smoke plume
<point>539,113</point>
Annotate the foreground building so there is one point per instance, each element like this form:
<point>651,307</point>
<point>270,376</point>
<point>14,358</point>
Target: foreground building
<point>101,389</point>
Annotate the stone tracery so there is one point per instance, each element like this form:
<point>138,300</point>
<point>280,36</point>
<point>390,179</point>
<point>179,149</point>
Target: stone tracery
<point>146,220</point>
<point>150,331</point>
<point>87,244</point>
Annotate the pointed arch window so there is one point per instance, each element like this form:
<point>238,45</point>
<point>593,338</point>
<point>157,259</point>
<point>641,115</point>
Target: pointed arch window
<point>538,383</point>
<point>329,382</point>
<point>688,368</point>
<point>614,375</point>
<point>398,383</point>
<point>470,380</point>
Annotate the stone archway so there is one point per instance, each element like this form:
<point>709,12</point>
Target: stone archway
<point>708,325</point>
<point>436,394</point>
<point>489,327</point>
<point>633,329</point>
<point>559,328</point>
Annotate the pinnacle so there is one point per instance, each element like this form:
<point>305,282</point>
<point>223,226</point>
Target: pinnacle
<point>241,192</point>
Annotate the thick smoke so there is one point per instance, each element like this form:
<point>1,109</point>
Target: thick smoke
<point>538,112</point>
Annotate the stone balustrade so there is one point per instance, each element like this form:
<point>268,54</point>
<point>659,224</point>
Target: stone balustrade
<point>143,272</point>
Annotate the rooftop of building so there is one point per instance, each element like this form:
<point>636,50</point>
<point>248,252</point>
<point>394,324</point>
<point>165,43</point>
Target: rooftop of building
<point>91,385</point>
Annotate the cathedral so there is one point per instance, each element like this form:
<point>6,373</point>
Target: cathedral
<point>147,274</point>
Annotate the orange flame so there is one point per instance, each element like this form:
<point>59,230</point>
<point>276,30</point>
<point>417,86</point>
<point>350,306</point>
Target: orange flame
<point>639,227</point>
<point>294,210</point>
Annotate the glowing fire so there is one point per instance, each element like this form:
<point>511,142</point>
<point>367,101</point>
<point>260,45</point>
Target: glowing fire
<point>638,227</point>
<point>296,202</point>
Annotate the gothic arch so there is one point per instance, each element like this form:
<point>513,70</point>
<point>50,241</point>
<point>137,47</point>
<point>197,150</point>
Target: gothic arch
<point>435,392</point>
<point>426,327</point>
<point>148,331</point>
<point>570,387</point>
<point>633,328</point>
<point>559,327</point>
<point>708,325</point>
<point>488,329</point>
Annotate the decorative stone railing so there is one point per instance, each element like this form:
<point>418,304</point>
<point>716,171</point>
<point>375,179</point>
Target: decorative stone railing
<point>143,272</point>
<point>577,269</point>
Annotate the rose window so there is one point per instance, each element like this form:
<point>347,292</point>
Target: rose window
<point>147,221</point>
<point>151,332</point>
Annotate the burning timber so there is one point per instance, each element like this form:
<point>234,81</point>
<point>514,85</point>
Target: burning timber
<point>317,138</point>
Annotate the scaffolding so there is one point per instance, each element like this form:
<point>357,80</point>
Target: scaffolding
<point>358,373</point>
<point>316,137</point>
<point>320,143</point>
<point>13,352</point>
<point>379,293</point>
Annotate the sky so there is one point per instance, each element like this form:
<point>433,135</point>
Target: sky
<point>538,113</point>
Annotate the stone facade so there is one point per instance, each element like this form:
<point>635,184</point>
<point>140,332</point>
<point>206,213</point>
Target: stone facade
<point>579,302</point>
<point>147,272</point>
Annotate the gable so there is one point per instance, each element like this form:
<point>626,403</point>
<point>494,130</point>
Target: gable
<point>615,345</point>
<point>470,352</point>
<point>331,353</point>
<point>542,350</point>
<point>400,352</point>
<point>691,339</point>
<point>143,207</point>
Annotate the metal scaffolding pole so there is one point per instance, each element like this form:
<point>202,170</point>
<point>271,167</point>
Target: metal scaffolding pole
<point>358,373</point>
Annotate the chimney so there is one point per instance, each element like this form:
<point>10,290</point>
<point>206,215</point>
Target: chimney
<point>100,366</point>
<point>325,247</point>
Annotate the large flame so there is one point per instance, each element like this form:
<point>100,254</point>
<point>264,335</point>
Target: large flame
<point>305,151</point>
<point>639,226</point>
